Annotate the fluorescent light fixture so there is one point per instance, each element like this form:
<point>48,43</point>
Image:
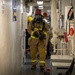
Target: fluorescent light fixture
<point>39,2</point>
<point>40,7</point>
<point>48,10</point>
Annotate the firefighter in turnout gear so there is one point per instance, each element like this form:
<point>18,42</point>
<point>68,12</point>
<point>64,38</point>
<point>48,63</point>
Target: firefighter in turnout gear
<point>37,42</point>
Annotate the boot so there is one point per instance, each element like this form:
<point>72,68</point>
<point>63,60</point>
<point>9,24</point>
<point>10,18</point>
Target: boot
<point>33,67</point>
<point>42,68</point>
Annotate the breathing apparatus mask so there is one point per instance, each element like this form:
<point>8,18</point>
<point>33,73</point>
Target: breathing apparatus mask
<point>38,18</point>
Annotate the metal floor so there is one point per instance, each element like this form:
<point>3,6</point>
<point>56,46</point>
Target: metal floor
<point>26,70</point>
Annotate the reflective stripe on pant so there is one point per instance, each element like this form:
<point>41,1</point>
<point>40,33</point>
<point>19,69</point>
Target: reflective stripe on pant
<point>33,62</point>
<point>42,63</point>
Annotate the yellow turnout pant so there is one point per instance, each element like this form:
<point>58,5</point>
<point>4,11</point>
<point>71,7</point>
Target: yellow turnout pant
<point>37,45</point>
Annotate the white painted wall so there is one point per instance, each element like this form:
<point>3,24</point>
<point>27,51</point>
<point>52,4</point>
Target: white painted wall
<point>10,50</point>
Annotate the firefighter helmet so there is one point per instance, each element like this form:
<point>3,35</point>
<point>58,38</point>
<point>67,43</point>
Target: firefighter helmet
<point>45,14</point>
<point>30,18</point>
<point>38,12</point>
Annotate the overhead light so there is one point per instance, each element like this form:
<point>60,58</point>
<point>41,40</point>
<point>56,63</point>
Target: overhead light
<point>40,7</point>
<point>39,2</point>
<point>48,10</point>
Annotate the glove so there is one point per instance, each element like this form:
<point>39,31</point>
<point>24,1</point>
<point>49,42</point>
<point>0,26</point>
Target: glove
<point>42,36</point>
<point>36,34</point>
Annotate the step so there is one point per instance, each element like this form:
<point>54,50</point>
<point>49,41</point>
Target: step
<point>60,67</point>
<point>61,58</point>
